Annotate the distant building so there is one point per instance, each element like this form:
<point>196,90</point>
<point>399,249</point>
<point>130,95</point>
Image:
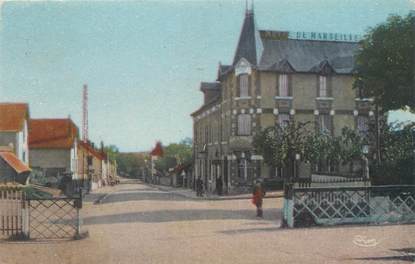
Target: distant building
<point>91,162</point>
<point>14,129</point>
<point>53,145</point>
<point>275,77</point>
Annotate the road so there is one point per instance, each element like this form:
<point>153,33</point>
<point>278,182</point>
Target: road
<point>136,223</point>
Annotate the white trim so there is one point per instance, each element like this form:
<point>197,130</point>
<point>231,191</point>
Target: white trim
<point>332,112</point>
<point>371,113</point>
<point>234,112</point>
<point>292,111</point>
<point>275,111</point>
<point>364,99</point>
<point>257,157</point>
<point>325,98</point>
<point>242,111</point>
<point>224,142</point>
<point>259,97</point>
<point>259,110</point>
<point>355,112</point>
<point>316,112</point>
<point>242,98</point>
<point>251,110</point>
<point>283,97</point>
<point>243,67</point>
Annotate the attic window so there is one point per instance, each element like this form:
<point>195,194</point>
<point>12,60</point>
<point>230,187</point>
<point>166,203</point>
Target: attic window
<point>283,85</point>
<point>323,86</point>
<point>243,85</point>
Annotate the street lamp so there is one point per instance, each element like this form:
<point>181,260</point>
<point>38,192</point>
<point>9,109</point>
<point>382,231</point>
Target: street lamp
<point>297,159</point>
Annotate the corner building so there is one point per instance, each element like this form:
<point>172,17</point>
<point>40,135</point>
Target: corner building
<point>274,78</point>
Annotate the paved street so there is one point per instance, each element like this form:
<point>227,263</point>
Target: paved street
<point>136,223</point>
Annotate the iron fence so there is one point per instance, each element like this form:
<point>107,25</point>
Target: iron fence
<point>348,205</point>
<point>24,217</point>
<point>54,218</point>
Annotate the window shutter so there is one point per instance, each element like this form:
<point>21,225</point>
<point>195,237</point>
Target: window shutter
<point>277,84</point>
<point>249,85</point>
<point>329,81</point>
<point>238,88</point>
<point>317,85</point>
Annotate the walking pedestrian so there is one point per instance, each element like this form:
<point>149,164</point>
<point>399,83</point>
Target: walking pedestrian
<point>258,194</point>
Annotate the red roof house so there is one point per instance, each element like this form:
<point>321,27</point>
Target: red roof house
<point>52,133</point>
<point>158,150</point>
<point>53,148</point>
<point>14,128</point>
<point>12,116</point>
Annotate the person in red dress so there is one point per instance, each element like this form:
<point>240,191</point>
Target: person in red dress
<point>258,194</point>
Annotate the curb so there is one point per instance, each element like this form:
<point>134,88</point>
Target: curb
<point>207,198</point>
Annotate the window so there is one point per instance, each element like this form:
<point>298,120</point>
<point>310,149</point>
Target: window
<point>363,125</point>
<point>245,166</point>
<point>325,124</point>
<point>283,120</point>
<point>323,86</point>
<point>244,125</point>
<point>243,85</point>
<point>283,85</point>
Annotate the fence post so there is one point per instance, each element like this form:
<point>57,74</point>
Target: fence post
<point>25,216</point>
<point>78,205</point>
<point>288,209</point>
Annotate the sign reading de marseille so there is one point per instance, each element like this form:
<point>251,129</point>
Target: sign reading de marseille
<point>324,36</point>
<point>284,35</point>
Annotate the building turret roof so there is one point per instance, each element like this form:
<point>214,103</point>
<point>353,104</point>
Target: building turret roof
<point>249,44</point>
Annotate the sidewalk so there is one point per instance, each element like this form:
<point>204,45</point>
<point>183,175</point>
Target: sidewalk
<point>188,193</point>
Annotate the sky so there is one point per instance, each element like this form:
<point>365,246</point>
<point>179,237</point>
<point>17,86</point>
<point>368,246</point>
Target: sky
<point>143,61</point>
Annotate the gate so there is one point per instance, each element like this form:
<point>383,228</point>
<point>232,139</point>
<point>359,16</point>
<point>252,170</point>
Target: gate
<point>22,217</point>
<point>54,218</point>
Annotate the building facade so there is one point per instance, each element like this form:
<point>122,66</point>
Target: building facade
<point>14,129</point>
<point>275,77</point>
<point>53,146</point>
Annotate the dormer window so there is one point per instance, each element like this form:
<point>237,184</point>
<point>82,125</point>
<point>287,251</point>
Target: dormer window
<point>283,85</point>
<point>244,85</point>
<point>323,86</point>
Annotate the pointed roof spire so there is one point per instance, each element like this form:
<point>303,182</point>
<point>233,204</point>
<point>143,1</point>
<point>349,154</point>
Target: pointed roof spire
<point>249,44</point>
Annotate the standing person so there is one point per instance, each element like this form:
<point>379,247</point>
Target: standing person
<point>199,187</point>
<point>258,194</point>
<point>219,186</point>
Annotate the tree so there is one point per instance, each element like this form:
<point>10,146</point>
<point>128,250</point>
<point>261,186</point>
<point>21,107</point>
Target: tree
<point>385,64</point>
<point>174,154</point>
<point>278,145</point>
<point>398,155</point>
<point>131,164</point>
<point>112,152</point>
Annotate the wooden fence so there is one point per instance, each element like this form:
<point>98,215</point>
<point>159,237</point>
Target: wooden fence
<point>12,210</point>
